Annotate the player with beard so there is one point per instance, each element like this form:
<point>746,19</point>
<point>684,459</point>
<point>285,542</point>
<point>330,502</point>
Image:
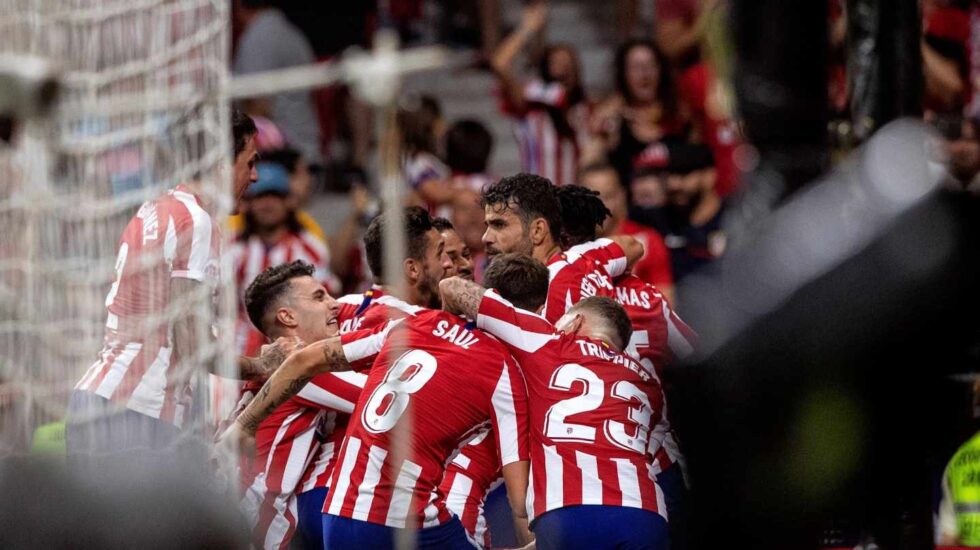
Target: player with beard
<point>476,470</point>
<point>523,217</point>
<point>659,337</point>
<point>289,301</point>
<point>459,254</point>
<point>425,264</point>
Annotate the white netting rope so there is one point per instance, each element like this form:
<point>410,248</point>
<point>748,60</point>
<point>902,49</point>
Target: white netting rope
<point>143,108</point>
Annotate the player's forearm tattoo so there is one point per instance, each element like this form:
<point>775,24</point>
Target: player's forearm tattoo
<point>333,356</point>
<point>267,401</point>
<point>463,297</point>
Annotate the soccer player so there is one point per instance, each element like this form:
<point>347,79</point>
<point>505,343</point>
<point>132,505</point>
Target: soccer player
<point>456,381</point>
<point>459,254</point>
<point>288,300</point>
<point>476,470</point>
<point>523,217</point>
<point>659,337</point>
<point>425,264</point>
<point>591,409</point>
<point>133,401</point>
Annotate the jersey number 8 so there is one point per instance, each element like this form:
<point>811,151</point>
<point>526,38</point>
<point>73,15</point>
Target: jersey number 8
<point>389,400</point>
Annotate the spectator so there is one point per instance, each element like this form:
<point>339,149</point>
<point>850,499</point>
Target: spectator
<point>551,110</point>
<point>272,235</point>
<point>421,125</point>
<point>680,27</point>
<point>673,192</point>
<point>643,113</point>
<point>269,41</point>
<point>654,266</point>
<point>468,148</point>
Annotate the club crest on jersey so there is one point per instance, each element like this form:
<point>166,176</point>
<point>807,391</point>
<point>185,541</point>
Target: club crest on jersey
<point>457,334</point>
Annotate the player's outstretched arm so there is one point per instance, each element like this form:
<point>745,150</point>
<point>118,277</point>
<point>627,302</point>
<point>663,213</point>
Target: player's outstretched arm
<point>461,297</point>
<point>632,247</point>
<point>323,356</point>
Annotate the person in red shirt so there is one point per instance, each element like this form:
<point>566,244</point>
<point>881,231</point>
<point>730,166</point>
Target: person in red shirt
<point>426,263</point>
<point>654,266</point>
<point>590,418</point>
<point>289,301</point>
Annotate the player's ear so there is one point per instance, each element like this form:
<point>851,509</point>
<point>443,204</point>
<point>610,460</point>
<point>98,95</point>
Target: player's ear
<point>412,269</point>
<point>538,230</point>
<point>285,317</point>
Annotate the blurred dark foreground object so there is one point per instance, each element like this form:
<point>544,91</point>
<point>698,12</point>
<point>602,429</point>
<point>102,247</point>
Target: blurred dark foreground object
<point>42,507</point>
<point>826,332</point>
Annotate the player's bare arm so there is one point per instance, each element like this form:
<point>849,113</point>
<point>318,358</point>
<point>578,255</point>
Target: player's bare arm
<point>323,356</point>
<point>270,357</point>
<point>461,297</point>
<point>632,247</point>
<point>516,476</point>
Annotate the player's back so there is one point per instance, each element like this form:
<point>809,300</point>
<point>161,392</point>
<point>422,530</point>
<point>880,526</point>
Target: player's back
<point>590,412</point>
<point>659,335</point>
<point>472,474</point>
<point>447,381</point>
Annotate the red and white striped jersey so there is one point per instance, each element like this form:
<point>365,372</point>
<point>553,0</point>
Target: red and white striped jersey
<point>659,337</point>
<point>591,411</point>
<point>430,363</point>
<point>469,478</point>
<point>251,256</point>
<point>170,237</point>
<point>358,312</point>
<point>544,150</point>
<point>581,272</point>
<point>285,443</point>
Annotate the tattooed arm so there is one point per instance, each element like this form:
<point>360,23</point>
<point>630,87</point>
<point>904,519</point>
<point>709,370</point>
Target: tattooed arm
<point>323,356</point>
<point>461,297</point>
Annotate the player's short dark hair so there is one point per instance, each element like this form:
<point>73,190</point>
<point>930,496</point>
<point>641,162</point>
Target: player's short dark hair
<point>613,313</point>
<point>242,128</point>
<point>521,280</point>
<point>417,224</point>
<point>582,211</point>
<point>468,146</point>
<point>269,287</point>
<point>442,224</point>
<point>529,196</point>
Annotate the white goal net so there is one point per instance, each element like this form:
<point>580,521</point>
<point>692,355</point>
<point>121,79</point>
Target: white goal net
<point>143,107</point>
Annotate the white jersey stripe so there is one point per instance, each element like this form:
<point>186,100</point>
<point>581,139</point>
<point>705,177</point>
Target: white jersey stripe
<point>322,454</point>
<point>629,483</point>
<point>591,486</point>
<point>170,242</point>
<point>430,516</point>
<point>529,500</point>
<point>506,413</point>
<point>118,369</point>
<point>401,494</point>
<point>513,334</point>
<point>369,346</point>
<point>326,399</point>
<point>339,493</point>
<point>554,480</point>
<point>200,243</point>
<point>372,475</point>
<point>676,341</point>
<point>145,398</point>
<point>460,489</point>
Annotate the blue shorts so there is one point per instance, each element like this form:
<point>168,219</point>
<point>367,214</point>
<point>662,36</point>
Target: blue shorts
<point>671,482</point>
<point>309,521</point>
<point>351,534</point>
<point>593,527</point>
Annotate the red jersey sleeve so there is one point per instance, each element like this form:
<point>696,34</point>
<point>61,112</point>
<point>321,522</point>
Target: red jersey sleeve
<point>583,271</point>
<point>336,391</point>
<point>509,415</point>
<point>522,332</point>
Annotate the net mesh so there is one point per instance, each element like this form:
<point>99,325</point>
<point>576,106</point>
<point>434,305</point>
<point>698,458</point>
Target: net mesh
<point>142,109</point>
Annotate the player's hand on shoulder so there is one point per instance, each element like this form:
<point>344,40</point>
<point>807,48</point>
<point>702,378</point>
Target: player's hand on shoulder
<point>271,356</point>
